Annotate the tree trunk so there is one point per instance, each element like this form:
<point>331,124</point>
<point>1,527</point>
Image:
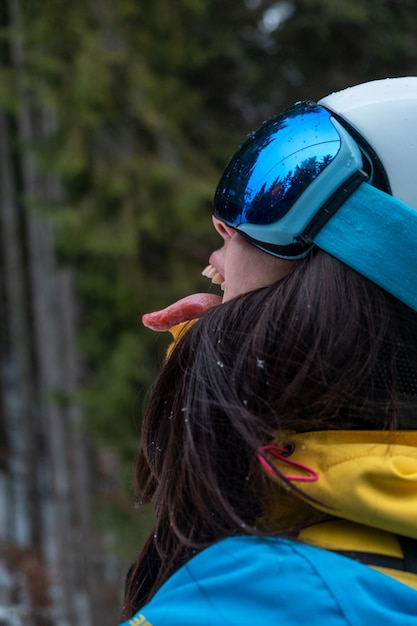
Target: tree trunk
<point>50,548</point>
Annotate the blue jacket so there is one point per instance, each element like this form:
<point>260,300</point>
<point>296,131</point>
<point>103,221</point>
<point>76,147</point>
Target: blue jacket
<point>250,581</point>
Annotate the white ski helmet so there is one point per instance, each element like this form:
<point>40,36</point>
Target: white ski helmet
<point>384,113</point>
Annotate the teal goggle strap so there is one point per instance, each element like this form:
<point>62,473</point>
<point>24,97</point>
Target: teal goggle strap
<point>375,234</point>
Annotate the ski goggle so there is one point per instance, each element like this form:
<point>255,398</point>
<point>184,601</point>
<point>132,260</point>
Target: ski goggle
<point>287,177</point>
<point>299,181</point>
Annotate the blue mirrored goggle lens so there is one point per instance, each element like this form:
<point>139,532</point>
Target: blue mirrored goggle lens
<point>275,166</point>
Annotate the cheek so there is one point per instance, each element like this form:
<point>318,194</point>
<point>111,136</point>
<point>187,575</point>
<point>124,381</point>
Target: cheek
<point>244,268</point>
<point>251,268</point>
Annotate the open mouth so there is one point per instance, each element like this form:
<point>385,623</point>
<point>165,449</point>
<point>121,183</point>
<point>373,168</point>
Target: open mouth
<point>214,275</point>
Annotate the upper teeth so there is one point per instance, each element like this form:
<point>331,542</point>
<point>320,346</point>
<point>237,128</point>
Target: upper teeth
<point>211,272</point>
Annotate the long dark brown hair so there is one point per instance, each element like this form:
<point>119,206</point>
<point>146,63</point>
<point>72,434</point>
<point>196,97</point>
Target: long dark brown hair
<point>323,348</point>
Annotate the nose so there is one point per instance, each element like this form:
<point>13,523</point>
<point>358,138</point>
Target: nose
<point>224,231</point>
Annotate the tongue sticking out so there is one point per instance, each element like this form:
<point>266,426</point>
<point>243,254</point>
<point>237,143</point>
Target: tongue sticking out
<point>187,308</point>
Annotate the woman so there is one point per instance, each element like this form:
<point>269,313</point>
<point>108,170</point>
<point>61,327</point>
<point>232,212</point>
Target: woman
<point>279,444</point>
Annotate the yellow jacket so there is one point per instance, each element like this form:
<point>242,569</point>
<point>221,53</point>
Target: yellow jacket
<point>367,480</point>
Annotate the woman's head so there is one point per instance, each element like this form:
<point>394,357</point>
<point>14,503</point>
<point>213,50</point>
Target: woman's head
<point>323,174</point>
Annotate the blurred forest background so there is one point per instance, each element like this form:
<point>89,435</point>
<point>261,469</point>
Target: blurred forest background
<point>116,120</point>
